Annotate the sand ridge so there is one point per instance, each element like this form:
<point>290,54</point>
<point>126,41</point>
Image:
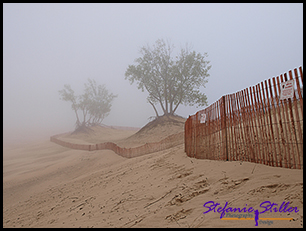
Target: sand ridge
<point>154,131</point>
<point>47,185</point>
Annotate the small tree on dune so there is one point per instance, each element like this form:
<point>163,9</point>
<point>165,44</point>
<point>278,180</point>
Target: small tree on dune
<point>91,107</point>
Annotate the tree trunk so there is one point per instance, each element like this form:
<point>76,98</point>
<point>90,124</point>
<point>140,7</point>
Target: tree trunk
<point>162,106</point>
<point>177,105</point>
<point>78,123</point>
<point>166,101</point>
<point>154,108</point>
<point>171,107</point>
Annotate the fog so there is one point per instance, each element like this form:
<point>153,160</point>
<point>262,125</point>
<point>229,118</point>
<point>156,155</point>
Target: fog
<point>48,45</point>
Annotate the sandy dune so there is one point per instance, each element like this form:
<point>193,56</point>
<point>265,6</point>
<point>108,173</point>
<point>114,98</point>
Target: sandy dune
<point>46,185</point>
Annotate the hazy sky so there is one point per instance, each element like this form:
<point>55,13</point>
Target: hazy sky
<point>48,45</point>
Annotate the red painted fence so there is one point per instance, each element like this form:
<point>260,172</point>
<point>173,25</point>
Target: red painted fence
<point>251,125</point>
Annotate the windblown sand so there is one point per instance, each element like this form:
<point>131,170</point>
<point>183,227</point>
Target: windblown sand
<point>47,185</point>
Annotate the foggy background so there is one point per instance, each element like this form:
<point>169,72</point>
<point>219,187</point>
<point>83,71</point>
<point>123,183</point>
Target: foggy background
<point>48,45</point>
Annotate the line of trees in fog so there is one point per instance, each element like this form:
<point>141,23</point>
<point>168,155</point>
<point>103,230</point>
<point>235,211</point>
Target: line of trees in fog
<point>92,106</point>
<point>170,82</point>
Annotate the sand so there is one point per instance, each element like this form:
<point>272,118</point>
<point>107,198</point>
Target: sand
<point>47,185</point>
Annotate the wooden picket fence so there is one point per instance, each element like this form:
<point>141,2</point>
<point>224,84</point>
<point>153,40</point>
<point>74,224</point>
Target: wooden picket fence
<point>251,125</point>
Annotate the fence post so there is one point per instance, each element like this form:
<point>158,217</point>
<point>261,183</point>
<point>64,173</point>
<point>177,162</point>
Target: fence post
<point>223,114</point>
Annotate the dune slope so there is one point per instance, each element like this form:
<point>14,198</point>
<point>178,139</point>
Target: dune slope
<point>46,185</point>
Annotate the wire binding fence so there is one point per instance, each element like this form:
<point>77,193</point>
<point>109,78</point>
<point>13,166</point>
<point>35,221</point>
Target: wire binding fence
<point>251,125</point>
